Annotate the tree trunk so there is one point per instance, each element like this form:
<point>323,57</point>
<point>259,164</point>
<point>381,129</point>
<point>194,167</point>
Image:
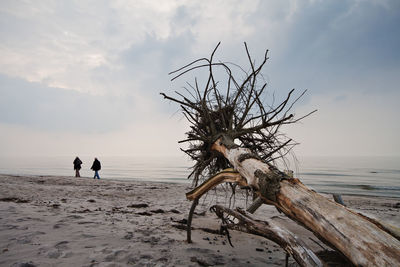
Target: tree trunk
<point>363,241</point>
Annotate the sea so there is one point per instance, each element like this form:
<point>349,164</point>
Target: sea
<point>370,176</point>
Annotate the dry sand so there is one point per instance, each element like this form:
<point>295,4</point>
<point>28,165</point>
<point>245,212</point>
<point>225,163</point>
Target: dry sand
<point>66,221</point>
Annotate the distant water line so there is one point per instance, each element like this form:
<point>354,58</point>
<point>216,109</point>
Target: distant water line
<point>375,176</point>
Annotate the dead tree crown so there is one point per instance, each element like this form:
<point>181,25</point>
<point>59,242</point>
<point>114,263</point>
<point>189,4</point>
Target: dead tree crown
<point>234,110</point>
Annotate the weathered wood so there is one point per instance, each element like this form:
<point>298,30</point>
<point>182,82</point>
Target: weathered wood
<point>272,231</point>
<point>255,205</point>
<point>361,240</point>
<point>338,199</point>
<point>189,220</point>
<point>241,114</point>
<point>289,242</point>
<point>227,175</point>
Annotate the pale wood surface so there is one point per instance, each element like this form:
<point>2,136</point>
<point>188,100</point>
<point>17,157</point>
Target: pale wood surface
<point>359,239</point>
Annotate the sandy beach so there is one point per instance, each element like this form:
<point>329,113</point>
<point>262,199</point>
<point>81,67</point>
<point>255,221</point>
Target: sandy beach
<point>67,221</point>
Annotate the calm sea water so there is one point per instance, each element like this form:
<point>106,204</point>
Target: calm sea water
<point>377,176</point>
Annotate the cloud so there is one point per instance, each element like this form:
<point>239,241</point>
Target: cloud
<point>64,43</point>
<point>329,41</point>
<point>96,67</point>
<point>349,124</point>
<point>54,109</point>
<point>148,63</point>
<point>156,137</point>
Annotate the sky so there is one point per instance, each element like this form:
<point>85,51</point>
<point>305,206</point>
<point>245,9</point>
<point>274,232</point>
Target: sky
<point>84,77</point>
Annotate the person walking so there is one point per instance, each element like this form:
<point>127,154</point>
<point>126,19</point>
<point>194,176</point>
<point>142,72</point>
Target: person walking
<point>77,166</point>
<point>96,167</point>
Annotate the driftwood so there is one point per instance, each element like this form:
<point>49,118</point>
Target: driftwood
<point>338,199</point>
<point>362,240</point>
<point>238,129</point>
<point>228,175</point>
<point>272,231</point>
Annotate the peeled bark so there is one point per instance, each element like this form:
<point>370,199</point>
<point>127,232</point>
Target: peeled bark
<point>364,242</point>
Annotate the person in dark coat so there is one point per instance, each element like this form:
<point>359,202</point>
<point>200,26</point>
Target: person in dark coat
<point>77,166</point>
<point>96,166</point>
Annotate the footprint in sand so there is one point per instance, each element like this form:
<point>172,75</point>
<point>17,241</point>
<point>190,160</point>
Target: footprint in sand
<point>113,256</point>
<point>62,245</point>
<point>54,254</point>
<point>60,251</point>
<point>27,239</point>
<point>58,225</point>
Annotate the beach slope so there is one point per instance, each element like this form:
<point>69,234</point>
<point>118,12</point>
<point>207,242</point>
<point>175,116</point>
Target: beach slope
<point>66,221</point>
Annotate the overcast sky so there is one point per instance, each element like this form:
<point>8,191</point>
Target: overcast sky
<point>83,77</point>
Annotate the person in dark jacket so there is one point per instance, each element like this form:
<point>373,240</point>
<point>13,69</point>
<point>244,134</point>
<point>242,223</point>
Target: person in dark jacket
<point>77,166</point>
<point>96,166</point>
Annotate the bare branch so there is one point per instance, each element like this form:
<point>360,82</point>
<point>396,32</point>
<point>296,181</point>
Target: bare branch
<point>239,112</point>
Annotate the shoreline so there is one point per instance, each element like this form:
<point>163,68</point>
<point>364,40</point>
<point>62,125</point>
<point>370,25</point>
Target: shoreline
<point>64,221</point>
<point>88,177</point>
<point>187,183</point>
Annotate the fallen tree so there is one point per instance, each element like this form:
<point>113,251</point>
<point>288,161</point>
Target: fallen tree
<point>362,240</point>
<point>237,129</point>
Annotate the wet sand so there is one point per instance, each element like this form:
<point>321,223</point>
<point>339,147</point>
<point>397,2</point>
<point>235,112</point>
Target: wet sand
<point>67,221</point>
